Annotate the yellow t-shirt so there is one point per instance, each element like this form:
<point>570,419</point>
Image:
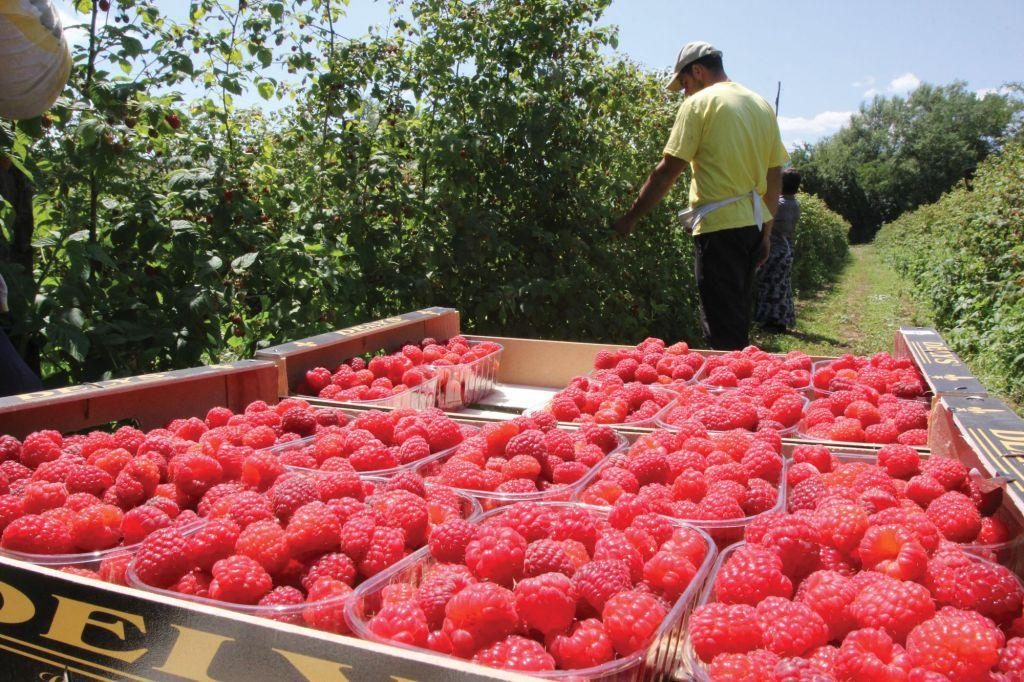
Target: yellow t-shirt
<point>730,136</point>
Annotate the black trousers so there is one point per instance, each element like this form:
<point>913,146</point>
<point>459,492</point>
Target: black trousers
<point>15,376</point>
<point>724,263</point>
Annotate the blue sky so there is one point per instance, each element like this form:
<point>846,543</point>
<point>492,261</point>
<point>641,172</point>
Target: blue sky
<point>830,55</point>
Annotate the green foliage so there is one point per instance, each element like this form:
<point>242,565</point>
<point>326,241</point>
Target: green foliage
<point>469,154</point>
<point>965,253</point>
<point>900,153</point>
<point>820,250</point>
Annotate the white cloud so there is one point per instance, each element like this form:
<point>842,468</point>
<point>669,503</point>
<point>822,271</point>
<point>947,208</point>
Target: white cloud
<point>797,130</point>
<point>985,92</point>
<point>900,85</point>
<point>69,17</point>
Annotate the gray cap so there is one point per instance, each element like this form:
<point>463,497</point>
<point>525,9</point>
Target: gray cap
<point>690,53</point>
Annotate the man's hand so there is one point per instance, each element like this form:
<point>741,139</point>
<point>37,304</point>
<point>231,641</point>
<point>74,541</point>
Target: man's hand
<point>624,225</point>
<point>763,250</point>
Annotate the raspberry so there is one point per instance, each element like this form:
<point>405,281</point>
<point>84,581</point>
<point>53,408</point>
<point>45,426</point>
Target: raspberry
<point>963,582</point>
<point>961,645</point>
<point>546,556</point>
<point>284,599</point>
<point>442,434</point>
<point>717,628</point>
<point>955,516</point>
<point>39,447</point>
<point>841,524</point>
<point>893,605</point>
<point>597,581</point>
<point>162,558</point>
<point>325,606</point>
<point>357,534</point>
<point>949,472</point>
<point>387,547</point>
<point>439,586</point>
<point>994,531</point>
<point>790,628</point>
<point>141,521</point>
<point>1011,661</point>
<point>924,488</point>
<point>404,510</point>
<point>289,492</point>
<point>86,478</point>
<point>266,542</point>
<point>38,496</point>
<point>497,555</point>
<point>631,620</point>
<point>448,540</point>
<point>313,529</point>
<point>750,574</point>
<point>478,615</point>
<point>588,645</point>
<point>516,653</point>
<point>900,461</point>
<point>239,580</point>
<point>404,623</point>
<point>213,542</point>
<point>615,545</point>
<point>529,443</point>
<point>574,523</point>
<point>894,551</point>
<point>797,541</point>
<point>335,565</point>
<point>546,603</point>
<point>242,507</point>
<point>830,594</point>
<point>299,420</point>
<point>35,534</point>
<point>97,527</point>
<point>756,665</point>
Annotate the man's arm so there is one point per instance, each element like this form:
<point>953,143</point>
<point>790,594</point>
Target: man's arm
<point>771,198</point>
<point>654,190</point>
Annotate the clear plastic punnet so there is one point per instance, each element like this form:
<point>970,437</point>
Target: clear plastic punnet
<point>490,499</point>
<point>464,384</point>
<point>419,397</point>
<point>648,423</point>
<point>323,614</point>
<point>701,378</point>
<point>663,418</point>
<point>723,531</point>
<point>821,392</point>
<point>692,667</point>
<point>659,660</point>
<point>382,473</point>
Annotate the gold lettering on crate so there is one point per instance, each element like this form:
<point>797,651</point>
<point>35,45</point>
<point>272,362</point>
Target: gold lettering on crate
<point>369,326</point>
<point>72,617</point>
<point>939,353</point>
<point>316,669</point>
<point>306,344</point>
<point>1011,439</point>
<point>192,654</point>
<point>17,607</point>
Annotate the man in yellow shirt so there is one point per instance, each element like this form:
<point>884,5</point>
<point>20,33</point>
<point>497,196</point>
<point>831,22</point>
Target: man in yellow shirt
<point>730,137</point>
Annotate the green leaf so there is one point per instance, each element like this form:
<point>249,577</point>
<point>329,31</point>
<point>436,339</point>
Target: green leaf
<point>266,89</point>
<point>243,263</point>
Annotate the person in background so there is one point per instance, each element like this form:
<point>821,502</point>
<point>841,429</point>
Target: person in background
<point>15,375</point>
<point>775,310</point>
<point>34,67</point>
<point>730,137</point>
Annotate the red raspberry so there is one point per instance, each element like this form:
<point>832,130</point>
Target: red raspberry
<point>790,628</point>
<point>994,531</point>
<point>632,619</point>
<point>141,521</point>
<point>597,581</point>
<point>531,520</point>
<point>1011,661</point>
<point>546,603</point>
<point>448,540</point>
<point>841,524</point>
<point>751,574</point>
<point>870,654</point>
<point>546,556</point>
<point>900,461</point>
<point>478,615</point>
<point>335,566</point>
<point>955,516</point>
<point>285,598</point>
<point>443,433</point>
<point>516,653</point>
<point>893,605</point>
<point>239,580</point>
<point>243,508</point>
<point>404,510</point>
<point>894,551</point>
<point>260,470</point>
<point>97,527</point>
<point>949,472</point>
<point>587,646</point>
<point>387,547</point>
<point>38,496</point>
<point>756,665</point>
<point>313,529</point>
<point>35,534</point>
<point>162,558</point>
<point>86,478</point>
<point>439,586</point>
<point>797,541</point>
<point>10,448</point>
<point>924,488</point>
<point>403,623</point>
<point>300,420</point>
<point>829,594</point>
<point>961,645</point>
<point>962,581</point>
<point>291,491</point>
<point>195,582</point>
<point>325,606</point>
<point>529,442</point>
<point>39,447</point>
<point>212,542</point>
<point>574,523</point>
<point>615,545</point>
<point>497,555</point>
<point>267,543</point>
<point>717,628</point>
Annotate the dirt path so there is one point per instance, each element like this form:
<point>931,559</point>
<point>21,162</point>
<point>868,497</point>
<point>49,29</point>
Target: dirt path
<point>859,314</point>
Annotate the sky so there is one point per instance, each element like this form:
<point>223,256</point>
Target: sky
<point>831,56</point>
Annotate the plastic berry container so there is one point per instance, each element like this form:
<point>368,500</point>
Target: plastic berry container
<point>308,441</point>
<point>662,420</point>
<point>693,668</point>
<point>105,564</point>
<point>419,397</point>
<point>659,660</point>
<point>323,614</point>
<point>461,385</point>
<point>648,423</point>
<point>723,531</point>
<point>490,499</point>
<point>821,392</point>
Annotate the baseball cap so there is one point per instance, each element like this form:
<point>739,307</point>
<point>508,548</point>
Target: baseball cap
<point>690,53</point>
